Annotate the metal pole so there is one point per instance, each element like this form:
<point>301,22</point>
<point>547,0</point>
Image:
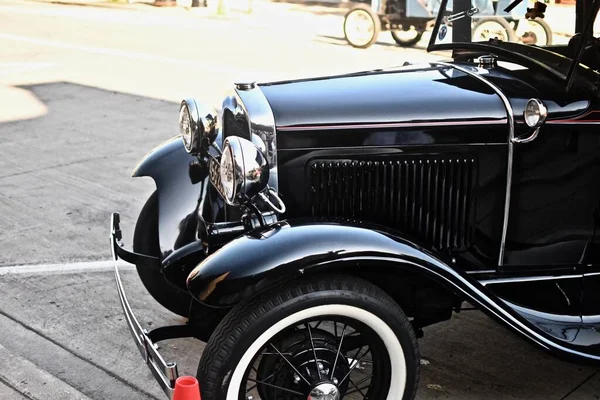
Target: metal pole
<point>461,28</point>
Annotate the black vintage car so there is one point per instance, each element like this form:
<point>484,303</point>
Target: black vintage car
<point>313,228</point>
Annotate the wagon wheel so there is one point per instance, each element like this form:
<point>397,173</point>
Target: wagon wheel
<point>535,31</point>
<point>407,38</point>
<point>491,28</point>
<point>361,26</point>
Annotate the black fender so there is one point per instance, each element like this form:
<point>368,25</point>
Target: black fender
<point>186,202</point>
<point>294,248</point>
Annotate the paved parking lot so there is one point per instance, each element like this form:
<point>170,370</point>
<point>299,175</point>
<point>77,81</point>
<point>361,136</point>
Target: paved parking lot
<point>87,91</point>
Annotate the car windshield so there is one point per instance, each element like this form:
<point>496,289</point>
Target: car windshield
<point>529,28</point>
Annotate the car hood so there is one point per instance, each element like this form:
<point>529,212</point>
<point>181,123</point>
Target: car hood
<point>408,95</point>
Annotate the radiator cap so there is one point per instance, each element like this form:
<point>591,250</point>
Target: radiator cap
<point>245,84</point>
<point>488,61</point>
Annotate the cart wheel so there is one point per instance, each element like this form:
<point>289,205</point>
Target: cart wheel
<point>407,38</point>
<point>535,31</point>
<point>491,28</point>
<point>361,26</point>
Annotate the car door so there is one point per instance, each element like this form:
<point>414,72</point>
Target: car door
<point>554,198</point>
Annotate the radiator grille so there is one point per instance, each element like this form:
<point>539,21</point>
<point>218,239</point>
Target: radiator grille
<point>428,198</point>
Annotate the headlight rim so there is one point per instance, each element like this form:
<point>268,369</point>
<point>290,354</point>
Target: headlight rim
<point>203,124</point>
<point>186,132</point>
<point>228,150</point>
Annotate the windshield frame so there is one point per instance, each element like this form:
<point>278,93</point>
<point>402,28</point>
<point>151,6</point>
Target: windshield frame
<point>567,75</point>
<point>587,33</point>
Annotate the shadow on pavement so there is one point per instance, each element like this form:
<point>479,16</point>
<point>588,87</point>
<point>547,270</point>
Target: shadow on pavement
<point>62,173</point>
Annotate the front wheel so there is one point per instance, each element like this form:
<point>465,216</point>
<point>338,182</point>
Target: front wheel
<point>330,337</point>
<point>361,26</point>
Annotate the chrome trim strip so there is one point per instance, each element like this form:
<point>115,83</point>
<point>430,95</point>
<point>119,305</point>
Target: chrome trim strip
<point>261,122</point>
<point>165,373</point>
<point>489,271</point>
<point>590,319</point>
<point>511,137</point>
<point>521,279</point>
<point>560,318</point>
<point>407,124</point>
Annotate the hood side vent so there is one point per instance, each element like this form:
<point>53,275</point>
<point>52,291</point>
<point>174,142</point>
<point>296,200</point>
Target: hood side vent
<point>430,199</point>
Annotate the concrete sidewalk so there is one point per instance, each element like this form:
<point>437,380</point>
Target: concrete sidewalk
<point>7,393</point>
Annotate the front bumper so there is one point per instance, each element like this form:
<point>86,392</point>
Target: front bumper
<point>165,372</point>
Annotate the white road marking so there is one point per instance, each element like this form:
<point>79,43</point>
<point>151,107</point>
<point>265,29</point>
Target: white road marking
<point>64,268</point>
<point>118,53</point>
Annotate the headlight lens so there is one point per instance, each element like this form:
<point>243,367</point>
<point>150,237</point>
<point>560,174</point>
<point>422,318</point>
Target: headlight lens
<point>535,113</point>
<point>227,173</point>
<point>185,126</point>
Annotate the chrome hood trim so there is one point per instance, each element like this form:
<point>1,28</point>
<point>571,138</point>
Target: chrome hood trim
<point>250,104</point>
<point>511,137</point>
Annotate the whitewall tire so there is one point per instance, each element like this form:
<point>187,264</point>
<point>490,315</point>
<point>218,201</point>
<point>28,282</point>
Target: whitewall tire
<point>284,343</point>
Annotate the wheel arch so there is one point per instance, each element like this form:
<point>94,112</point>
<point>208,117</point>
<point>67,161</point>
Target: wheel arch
<point>422,297</point>
<point>221,281</point>
<point>184,195</point>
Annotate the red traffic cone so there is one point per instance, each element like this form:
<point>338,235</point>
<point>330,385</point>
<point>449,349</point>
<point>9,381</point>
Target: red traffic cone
<point>186,388</point>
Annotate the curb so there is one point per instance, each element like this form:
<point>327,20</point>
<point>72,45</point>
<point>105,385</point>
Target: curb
<point>28,379</point>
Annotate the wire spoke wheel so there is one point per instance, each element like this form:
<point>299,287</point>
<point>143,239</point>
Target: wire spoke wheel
<point>331,338</point>
<point>336,357</point>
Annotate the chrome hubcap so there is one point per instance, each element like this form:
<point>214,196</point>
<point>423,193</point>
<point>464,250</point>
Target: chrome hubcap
<point>324,391</point>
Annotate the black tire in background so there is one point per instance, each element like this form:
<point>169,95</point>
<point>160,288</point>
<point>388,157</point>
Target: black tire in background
<point>407,42</point>
<point>228,359</point>
<point>145,241</point>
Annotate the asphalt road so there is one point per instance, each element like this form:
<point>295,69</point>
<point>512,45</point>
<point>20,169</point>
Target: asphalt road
<point>85,92</point>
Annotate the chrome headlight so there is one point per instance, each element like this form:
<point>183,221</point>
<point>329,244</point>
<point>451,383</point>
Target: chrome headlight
<point>535,113</point>
<point>243,171</point>
<point>197,123</point>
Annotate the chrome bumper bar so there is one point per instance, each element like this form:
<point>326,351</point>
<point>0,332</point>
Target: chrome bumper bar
<point>165,372</point>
